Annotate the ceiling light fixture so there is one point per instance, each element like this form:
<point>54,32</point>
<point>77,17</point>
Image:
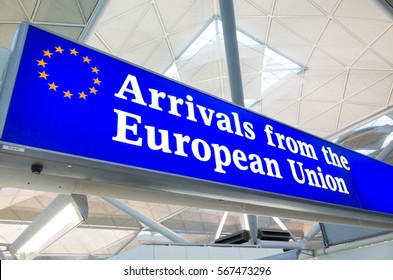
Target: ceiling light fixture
<point>64,214</point>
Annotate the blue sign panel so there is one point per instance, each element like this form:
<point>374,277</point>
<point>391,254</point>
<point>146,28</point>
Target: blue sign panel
<point>71,99</point>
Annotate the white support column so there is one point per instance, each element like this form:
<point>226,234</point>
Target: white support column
<point>314,230</point>
<point>253,224</point>
<point>283,227</point>
<point>93,20</point>
<point>244,221</point>
<point>232,51</point>
<point>171,235</point>
<point>221,226</point>
<point>132,238</point>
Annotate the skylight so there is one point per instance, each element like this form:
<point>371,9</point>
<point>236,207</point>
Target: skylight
<point>275,67</point>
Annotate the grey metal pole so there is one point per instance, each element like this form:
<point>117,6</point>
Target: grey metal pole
<point>147,221</point>
<point>93,20</point>
<point>232,52</point>
<point>314,230</point>
<point>235,76</point>
<point>221,226</point>
<point>253,223</point>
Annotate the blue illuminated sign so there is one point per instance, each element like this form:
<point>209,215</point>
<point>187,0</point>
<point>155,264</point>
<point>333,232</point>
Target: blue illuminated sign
<point>71,99</point>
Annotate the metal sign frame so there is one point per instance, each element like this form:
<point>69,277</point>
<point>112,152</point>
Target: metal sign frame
<point>64,103</point>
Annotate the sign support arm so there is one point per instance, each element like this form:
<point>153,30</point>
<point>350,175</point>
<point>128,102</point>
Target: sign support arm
<point>147,221</point>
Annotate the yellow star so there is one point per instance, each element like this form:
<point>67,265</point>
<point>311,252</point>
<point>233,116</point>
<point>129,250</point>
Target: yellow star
<point>47,53</point>
<point>73,51</point>
<point>41,63</point>
<point>67,94</point>
<point>86,59</point>
<point>53,86</point>
<point>82,95</point>
<point>97,81</point>
<point>59,49</point>
<point>94,70</point>
<point>43,75</point>
<point>93,90</point>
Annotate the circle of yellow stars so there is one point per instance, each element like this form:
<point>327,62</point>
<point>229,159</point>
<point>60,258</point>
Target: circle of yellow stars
<point>52,85</point>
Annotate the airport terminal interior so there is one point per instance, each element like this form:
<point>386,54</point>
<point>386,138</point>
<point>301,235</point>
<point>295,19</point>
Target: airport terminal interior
<point>321,66</point>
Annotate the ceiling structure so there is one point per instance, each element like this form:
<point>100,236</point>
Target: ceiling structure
<point>325,67</point>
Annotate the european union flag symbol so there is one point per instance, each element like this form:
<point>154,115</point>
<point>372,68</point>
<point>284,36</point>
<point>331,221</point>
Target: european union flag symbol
<point>69,72</point>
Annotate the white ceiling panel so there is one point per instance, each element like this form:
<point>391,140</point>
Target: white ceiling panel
<point>365,32</point>
<point>317,78</point>
<point>250,9</point>
<point>312,109</point>
<point>195,14</point>
<point>59,11</point>
<point>172,11</point>
<point>270,107</point>
<point>289,89</point>
<point>363,10</point>
<point>207,71</point>
<point>10,197</point>
<point>156,55</point>
<point>213,86</point>
<point>7,33</point>
<point>324,122</point>
<point>376,94</point>
<point>9,232</point>
<point>148,28</point>
<point>100,44</point>
<point>353,112</point>
<point>340,44</point>
<point>87,7</point>
<point>383,45</point>
<point>256,27</point>
<point>160,58</point>
<point>326,6</point>
<point>252,86</point>
<point>112,12</point>
<point>70,32</point>
<point>280,36</point>
<point>264,6</point>
<point>359,80</point>
<point>12,11</point>
<point>133,55</point>
<point>79,242</point>
<point>321,59</point>
<point>295,7</point>
<point>331,91</point>
<point>372,60</point>
<point>116,31</point>
<point>309,28</point>
<point>28,6</point>
<point>289,115</point>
